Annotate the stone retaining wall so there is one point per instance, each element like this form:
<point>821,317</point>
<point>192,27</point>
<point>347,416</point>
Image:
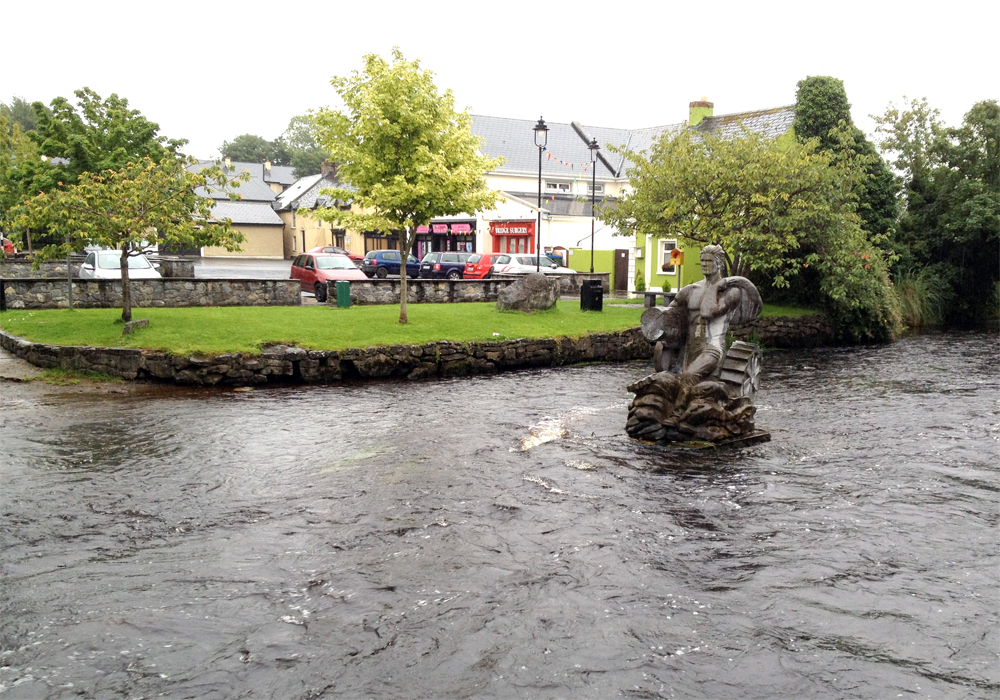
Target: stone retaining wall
<point>51,293</point>
<point>20,268</point>
<point>433,291</point>
<point>281,363</point>
<point>786,332</point>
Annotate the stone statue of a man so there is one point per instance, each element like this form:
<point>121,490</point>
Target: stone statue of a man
<point>686,396</point>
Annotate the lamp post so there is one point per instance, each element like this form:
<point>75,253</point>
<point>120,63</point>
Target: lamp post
<point>541,139</point>
<point>594,148</point>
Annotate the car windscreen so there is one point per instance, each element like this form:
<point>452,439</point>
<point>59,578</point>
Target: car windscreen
<point>473,259</point>
<point>334,262</point>
<point>113,261</point>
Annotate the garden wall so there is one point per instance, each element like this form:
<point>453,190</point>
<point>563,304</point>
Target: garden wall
<point>281,363</point>
<point>20,268</point>
<point>51,293</point>
<point>432,291</point>
<point>786,332</point>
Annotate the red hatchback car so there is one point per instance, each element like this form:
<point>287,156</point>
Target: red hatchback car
<point>316,271</point>
<point>480,267</point>
<point>337,249</point>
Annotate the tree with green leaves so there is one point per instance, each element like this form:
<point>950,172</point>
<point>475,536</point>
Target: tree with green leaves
<point>784,213</point>
<point>404,154</point>
<point>18,111</point>
<point>249,148</point>
<point>97,135</point>
<point>128,209</point>
<point>823,112</point>
<point>300,139</point>
<point>949,231</point>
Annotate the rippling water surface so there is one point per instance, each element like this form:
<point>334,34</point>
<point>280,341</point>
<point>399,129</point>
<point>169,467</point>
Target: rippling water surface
<point>500,537</point>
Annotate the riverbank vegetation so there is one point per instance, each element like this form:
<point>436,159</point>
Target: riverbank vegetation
<point>246,329</point>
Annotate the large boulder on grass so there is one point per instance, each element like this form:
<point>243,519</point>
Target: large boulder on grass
<point>535,291</point>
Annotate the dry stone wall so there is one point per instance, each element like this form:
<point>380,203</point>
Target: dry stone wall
<point>51,293</point>
<point>21,268</point>
<point>280,363</point>
<point>433,291</point>
<point>786,332</point>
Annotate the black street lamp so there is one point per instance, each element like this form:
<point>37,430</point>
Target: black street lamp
<point>594,148</point>
<point>541,139</point>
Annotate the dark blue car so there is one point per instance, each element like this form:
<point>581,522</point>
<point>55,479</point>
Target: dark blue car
<point>440,265</point>
<point>382,263</point>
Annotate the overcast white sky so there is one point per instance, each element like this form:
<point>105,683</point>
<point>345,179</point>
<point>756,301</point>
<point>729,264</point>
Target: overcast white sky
<point>208,71</point>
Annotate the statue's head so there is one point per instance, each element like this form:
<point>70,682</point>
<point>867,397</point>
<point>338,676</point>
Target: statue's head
<point>713,258</point>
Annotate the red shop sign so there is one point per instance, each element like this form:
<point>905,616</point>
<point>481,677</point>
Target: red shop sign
<point>439,228</point>
<point>512,228</point>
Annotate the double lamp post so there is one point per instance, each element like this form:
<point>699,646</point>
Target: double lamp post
<point>541,140</point>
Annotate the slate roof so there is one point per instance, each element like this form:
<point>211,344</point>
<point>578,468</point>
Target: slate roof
<point>770,122</point>
<point>247,213</point>
<point>514,140</point>
<point>305,193</point>
<point>253,190</point>
<point>560,204</point>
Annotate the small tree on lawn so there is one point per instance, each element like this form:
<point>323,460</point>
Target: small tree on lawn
<point>403,152</point>
<point>130,209</point>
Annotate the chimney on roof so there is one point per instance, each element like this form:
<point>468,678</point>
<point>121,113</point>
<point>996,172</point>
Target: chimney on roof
<point>229,163</point>
<point>328,167</point>
<point>267,165</point>
<point>699,109</point>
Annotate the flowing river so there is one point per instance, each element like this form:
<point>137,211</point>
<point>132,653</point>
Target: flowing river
<point>500,537</point>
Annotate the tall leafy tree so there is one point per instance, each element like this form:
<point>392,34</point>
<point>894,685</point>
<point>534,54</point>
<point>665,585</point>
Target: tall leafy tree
<point>404,153</point>
<point>823,112</point>
<point>785,213</point>
<point>130,208</point>
<point>97,135</point>
<point>18,111</point>
<point>250,148</point>
<point>950,228</point>
<point>307,156</point>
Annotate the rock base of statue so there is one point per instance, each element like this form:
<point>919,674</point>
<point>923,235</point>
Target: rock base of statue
<point>677,408</point>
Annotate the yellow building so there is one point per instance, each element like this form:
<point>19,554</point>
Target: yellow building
<point>301,230</point>
<point>253,213</point>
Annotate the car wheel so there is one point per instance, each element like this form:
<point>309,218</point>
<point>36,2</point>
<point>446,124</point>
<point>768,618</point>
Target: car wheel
<point>454,275</point>
<point>381,273</point>
<point>488,275</point>
<point>320,292</point>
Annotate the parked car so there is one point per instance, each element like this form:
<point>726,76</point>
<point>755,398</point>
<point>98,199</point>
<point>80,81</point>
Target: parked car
<point>315,272</point>
<point>480,267</point>
<point>337,249</point>
<point>439,265</point>
<point>107,265</point>
<point>382,263</point>
<point>523,264</point>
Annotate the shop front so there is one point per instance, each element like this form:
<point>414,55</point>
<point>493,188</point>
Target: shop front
<point>457,236</point>
<point>513,236</point>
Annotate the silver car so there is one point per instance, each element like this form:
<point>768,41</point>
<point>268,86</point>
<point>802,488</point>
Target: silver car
<point>523,264</point>
<point>107,265</point>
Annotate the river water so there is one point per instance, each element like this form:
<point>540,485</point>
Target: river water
<point>500,537</point>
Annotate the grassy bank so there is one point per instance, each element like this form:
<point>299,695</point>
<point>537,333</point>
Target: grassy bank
<point>245,329</point>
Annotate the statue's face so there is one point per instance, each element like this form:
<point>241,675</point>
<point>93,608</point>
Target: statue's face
<point>707,263</point>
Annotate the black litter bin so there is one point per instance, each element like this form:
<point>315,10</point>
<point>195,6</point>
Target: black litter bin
<point>591,296</point>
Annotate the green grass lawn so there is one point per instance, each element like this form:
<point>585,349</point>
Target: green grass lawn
<point>244,329</point>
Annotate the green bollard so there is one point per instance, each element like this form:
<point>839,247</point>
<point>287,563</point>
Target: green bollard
<point>343,294</point>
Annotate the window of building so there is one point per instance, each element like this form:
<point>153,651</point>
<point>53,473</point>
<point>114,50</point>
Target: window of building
<point>597,189</point>
<point>558,186</point>
<point>666,245</point>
